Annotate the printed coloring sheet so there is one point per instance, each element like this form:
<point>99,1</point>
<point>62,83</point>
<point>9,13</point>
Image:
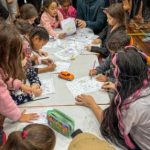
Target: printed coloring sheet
<point>67,54</point>
<point>61,66</point>
<point>47,86</point>
<point>83,85</point>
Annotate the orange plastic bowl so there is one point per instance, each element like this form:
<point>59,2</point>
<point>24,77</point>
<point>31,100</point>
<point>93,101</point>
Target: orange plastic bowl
<point>66,75</point>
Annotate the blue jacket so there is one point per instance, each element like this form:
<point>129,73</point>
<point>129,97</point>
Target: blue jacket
<point>91,11</point>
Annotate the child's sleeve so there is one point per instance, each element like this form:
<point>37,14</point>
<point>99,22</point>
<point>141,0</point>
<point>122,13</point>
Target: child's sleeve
<point>46,23</point>
<point>32,76</point>
<point>102,68</point>
<point>102,35</point>
<point>8,108</point>
<point>14,84</point>
<point>101,50</point>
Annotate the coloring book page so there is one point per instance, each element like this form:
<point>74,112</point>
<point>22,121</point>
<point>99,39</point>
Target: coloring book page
<point>61,66</point>
<point>83,85</point>
<point>67,54</point>
<point>47,88</point>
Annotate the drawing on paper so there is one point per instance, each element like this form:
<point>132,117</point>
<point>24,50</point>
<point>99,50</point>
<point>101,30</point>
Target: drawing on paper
<point>83,85</point>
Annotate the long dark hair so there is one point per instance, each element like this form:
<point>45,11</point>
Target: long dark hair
<point>33,137</point>
<point>133,71</point>
<point>10,52</point>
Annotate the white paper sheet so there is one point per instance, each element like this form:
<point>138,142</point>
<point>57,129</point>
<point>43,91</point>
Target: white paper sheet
<point>67,54</point>
<point>47,89</point>
<point>61,66</point>
<point>68,26</point>
<point>83,85</point>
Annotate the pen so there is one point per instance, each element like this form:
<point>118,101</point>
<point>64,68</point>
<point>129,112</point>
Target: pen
<point>35,99</point>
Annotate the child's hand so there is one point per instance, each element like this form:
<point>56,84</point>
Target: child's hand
<point>62,35</point>
<point>108,86</point>
<point>26,88</point>
<point>88,48</point>
<point>92,72</point>
<point>102,78</point>
<point>85,100</point>
<point>42,53</point>
<point>96,41</point>
<point>36,90</point>
<point>28,117</point>
<point>47,61</point>
<point>35,59</point>
<point>51,67</point>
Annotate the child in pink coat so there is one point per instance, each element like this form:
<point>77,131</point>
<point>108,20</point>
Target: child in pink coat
<point>51,18</point>
<point>67,10</point>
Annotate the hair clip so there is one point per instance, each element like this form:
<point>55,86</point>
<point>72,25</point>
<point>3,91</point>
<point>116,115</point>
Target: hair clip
<point>24,134</point>
<point>129,46</point>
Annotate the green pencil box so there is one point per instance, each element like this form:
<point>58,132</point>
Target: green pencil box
<point>60,122</point>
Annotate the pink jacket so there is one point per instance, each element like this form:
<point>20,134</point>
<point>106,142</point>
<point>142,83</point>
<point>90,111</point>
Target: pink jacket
<point>8,108</point>
<point>50,23</point>
<point>71,12</point>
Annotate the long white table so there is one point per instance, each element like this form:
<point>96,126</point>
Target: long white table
<point>83,117</point>
<point>64,100</point>
<point>80,68</point>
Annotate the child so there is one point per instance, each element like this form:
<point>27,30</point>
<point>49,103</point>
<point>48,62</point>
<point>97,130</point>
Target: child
<point>33,40</point>
<point>126,122</point>
<point>10,42</point>
<point>114,45</point>
<point>67,10</point>
<point>33,137</point>
<point>38,37</point>
<point>116,20</point>
<point>29,91</point>
<point>51,18</point>
<point>28,13</point>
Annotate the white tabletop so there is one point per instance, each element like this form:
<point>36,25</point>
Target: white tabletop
<point>63,99</point>
<point>83,117</point>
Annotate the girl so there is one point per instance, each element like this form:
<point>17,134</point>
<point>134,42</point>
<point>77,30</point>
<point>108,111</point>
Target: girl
<point>38,37</point>
<point>10,42</point>
<point>31,90</point>
<point>51,18</point>
<point>33,137</point>
<point>116,21</point>
<point>126,122</point>
<point>114,45</point>
<point>67,10</point>
<point>28,13</point>
<point>33,40</point>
